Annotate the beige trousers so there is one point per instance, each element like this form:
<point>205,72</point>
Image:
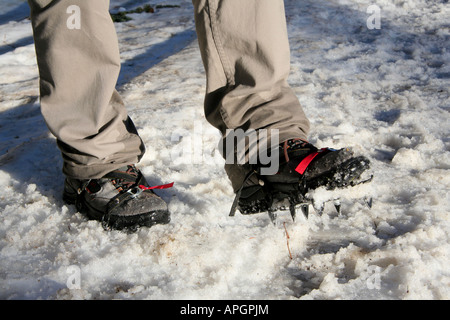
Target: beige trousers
<point>245,51</point>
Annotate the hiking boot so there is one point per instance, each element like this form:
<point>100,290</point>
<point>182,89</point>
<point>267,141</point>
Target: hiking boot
<point>122,199</point>
<point>302,167</point>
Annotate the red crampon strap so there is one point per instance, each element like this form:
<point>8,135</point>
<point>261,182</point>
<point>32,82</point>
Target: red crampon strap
<point>163,186</point>
<point>301,168</point>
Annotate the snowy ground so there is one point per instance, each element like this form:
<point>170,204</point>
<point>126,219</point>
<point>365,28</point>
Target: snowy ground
<point>383,91</point>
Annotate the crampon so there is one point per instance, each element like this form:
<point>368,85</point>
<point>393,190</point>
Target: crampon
<point>289,189</point>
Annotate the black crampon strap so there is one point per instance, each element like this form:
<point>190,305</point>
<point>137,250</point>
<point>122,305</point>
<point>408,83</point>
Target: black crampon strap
<point>238,194</point>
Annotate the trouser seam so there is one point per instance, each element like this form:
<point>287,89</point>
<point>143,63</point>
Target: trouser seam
<point>212,10</point>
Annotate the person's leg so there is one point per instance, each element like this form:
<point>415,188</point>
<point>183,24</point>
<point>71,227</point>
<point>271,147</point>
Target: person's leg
<point>78,69</point>
<point>245,51</point>
<point>79,64</point>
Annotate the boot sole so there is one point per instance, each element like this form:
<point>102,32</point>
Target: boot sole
<point>130,223</point>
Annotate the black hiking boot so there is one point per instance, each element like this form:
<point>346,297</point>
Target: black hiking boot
<point>121,200</point>
<point>302,167</point>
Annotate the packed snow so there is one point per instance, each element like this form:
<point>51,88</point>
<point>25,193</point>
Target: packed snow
<point>381,89</point>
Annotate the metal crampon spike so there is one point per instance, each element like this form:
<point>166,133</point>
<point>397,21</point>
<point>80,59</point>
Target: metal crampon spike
<point>368,201</point>
<point>272,216</point>
<point>337,205</point>
<point>292,210</point>
<point>305,210</point>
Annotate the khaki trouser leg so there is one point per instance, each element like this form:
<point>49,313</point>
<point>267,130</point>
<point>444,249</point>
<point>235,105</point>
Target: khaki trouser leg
<point>78,71</point>
<point>245,51</point>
